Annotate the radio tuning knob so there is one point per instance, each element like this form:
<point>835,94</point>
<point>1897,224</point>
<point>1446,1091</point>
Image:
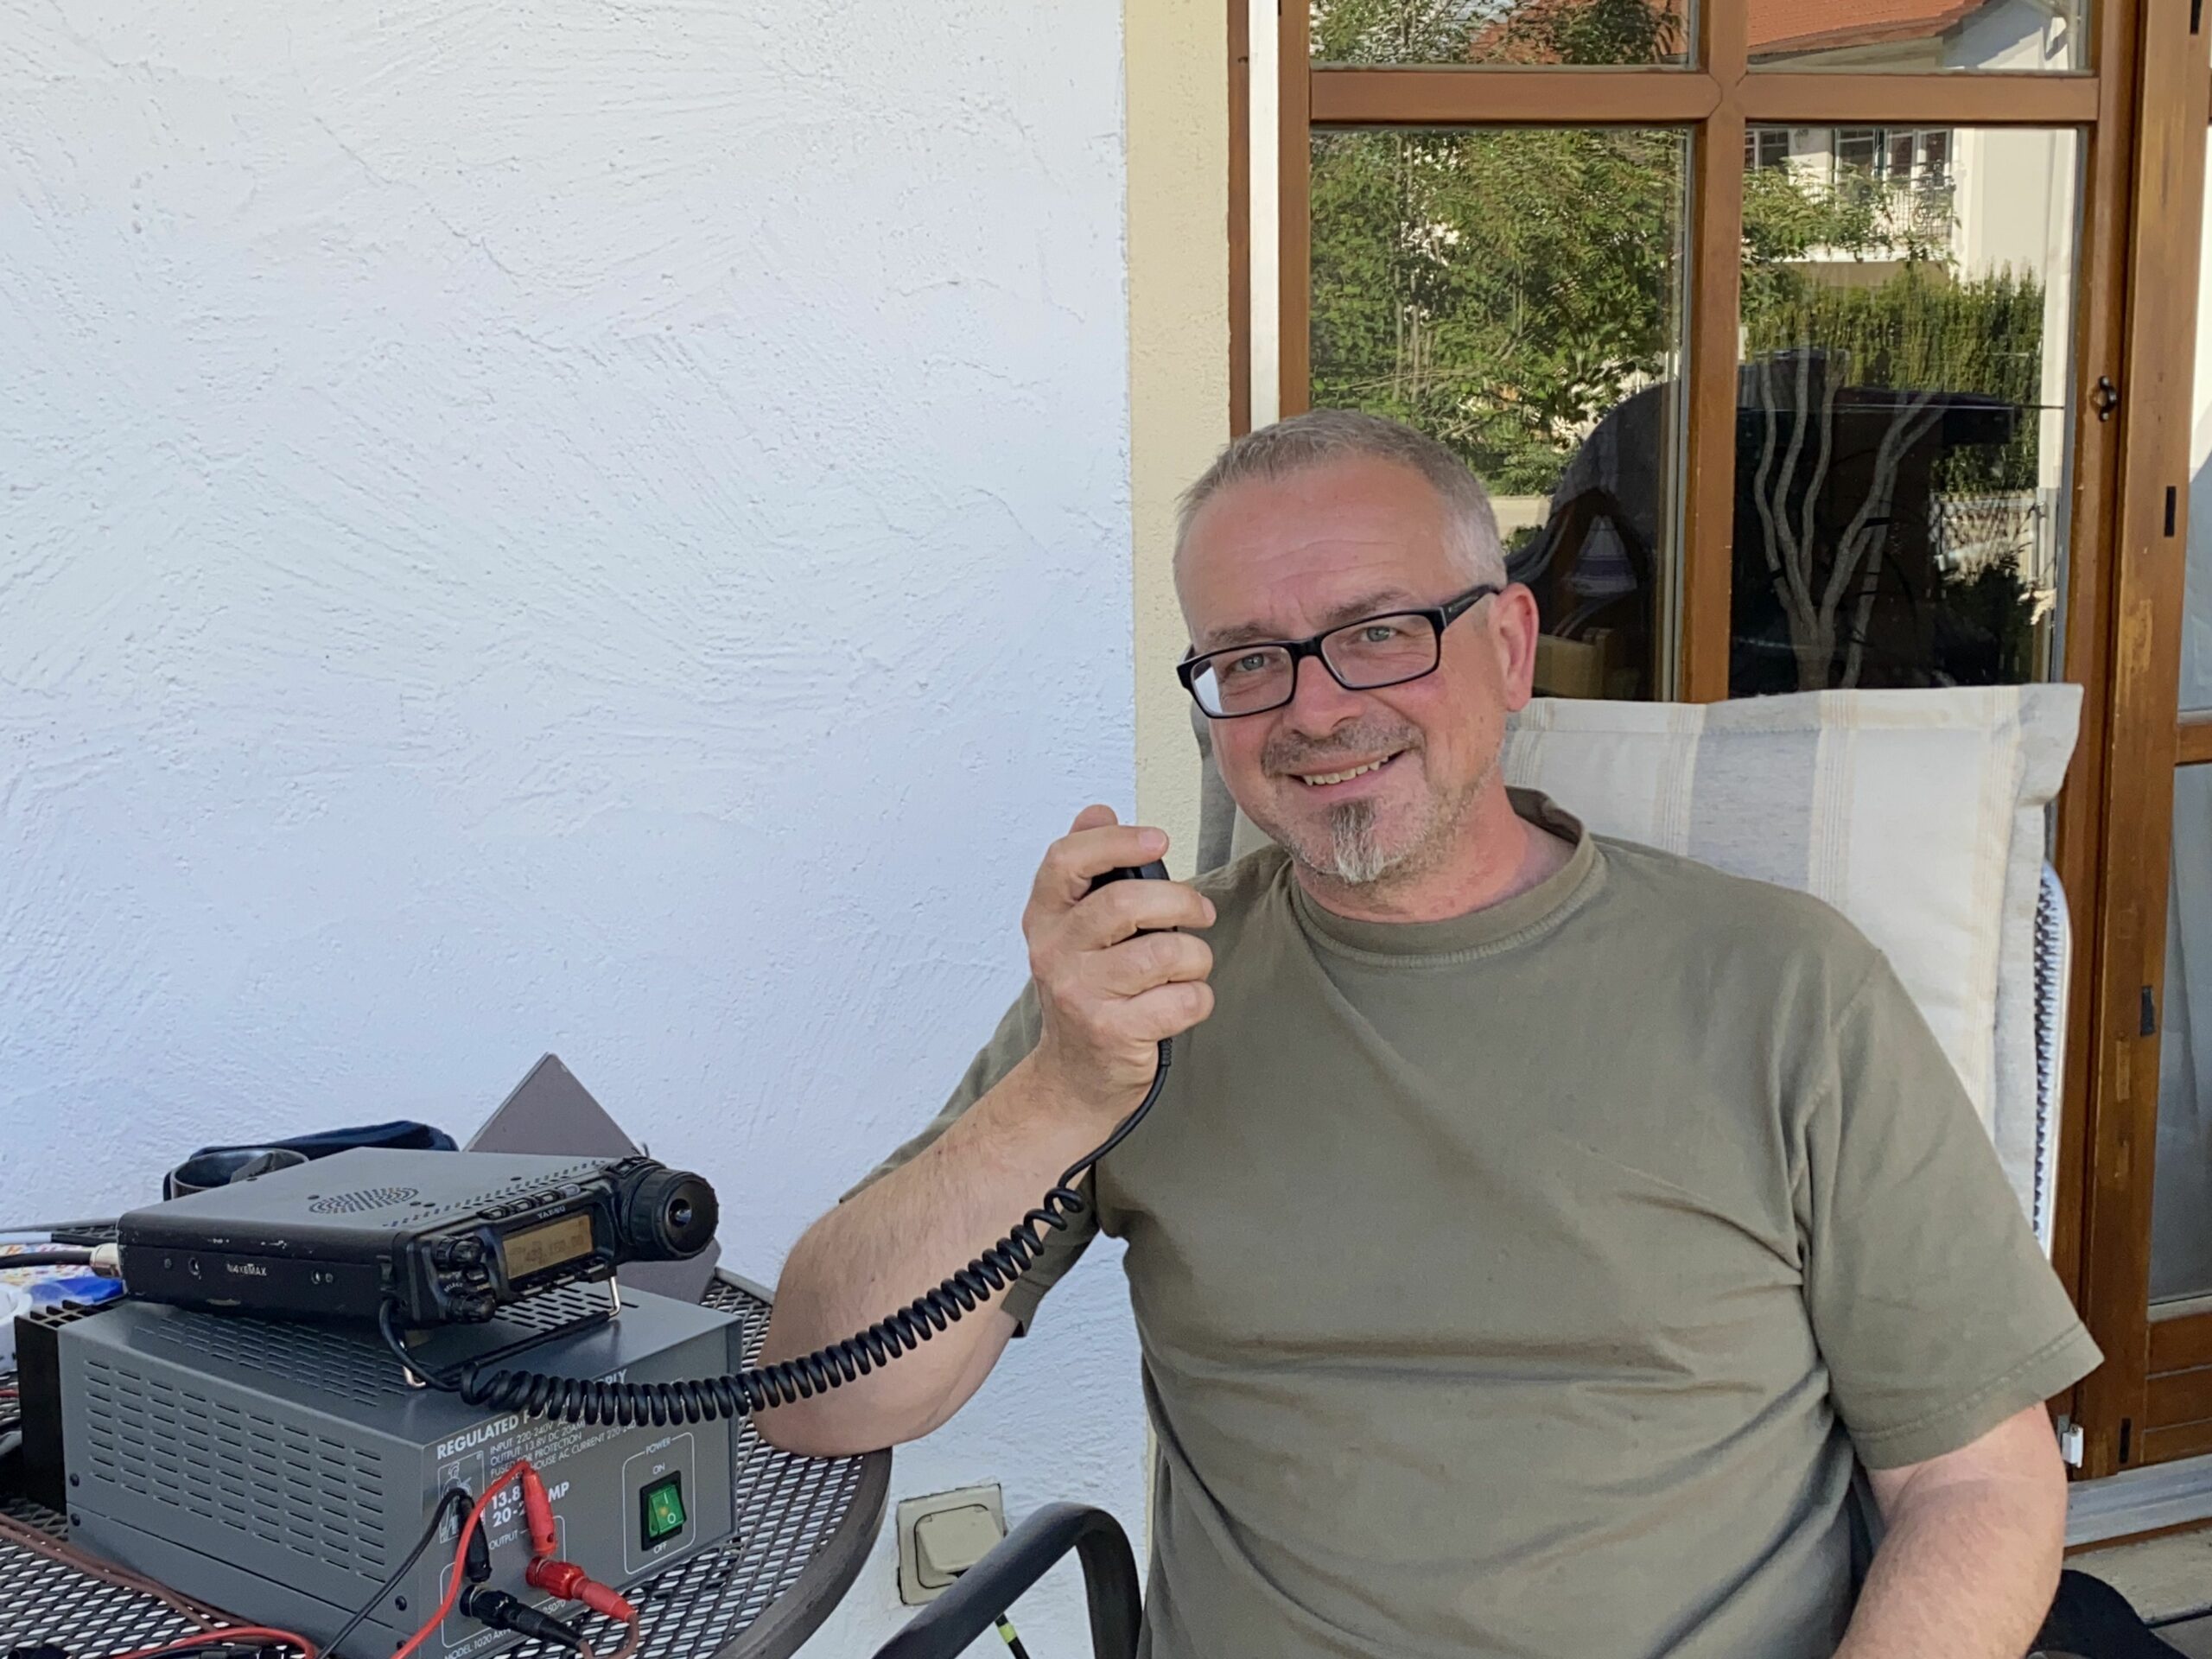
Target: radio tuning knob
<point>467,1252</point>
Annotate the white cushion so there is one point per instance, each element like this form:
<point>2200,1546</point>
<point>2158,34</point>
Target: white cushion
<point>1919,815</point>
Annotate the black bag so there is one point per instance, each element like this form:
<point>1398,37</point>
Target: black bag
<point>220,1165</point>
<point>2093,1620</point>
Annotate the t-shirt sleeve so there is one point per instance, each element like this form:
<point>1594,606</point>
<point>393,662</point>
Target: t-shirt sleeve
<point>1015,1036</point>
<point>1935,1311</point>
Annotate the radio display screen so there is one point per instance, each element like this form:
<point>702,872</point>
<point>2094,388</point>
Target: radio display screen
<point>535,1248</point>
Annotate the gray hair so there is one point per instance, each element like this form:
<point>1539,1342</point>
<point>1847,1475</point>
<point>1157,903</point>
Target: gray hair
<point>1320,436</point>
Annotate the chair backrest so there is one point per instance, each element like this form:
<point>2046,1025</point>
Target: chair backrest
<point>1922,816</point>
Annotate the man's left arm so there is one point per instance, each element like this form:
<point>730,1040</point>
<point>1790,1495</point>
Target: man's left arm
<point>1943,1329</point>
<point>1970,1557</point>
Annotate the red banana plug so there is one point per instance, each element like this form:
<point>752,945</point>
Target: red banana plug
<point>544,1538</point>
<point>570,1582</point>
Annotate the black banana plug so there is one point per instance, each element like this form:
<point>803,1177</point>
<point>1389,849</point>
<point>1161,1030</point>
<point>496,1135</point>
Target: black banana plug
<point>503,1612</point>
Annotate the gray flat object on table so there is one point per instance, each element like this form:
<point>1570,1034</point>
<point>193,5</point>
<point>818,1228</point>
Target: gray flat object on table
<point>805,1527</point>
<point>550,1112</point>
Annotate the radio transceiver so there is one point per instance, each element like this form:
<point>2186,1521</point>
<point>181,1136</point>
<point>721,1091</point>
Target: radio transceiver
<point>427,1238</point>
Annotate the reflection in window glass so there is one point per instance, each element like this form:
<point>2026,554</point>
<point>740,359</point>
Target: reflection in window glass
<point>1516,293</point>
<point>1898,156</point>
<point>1766,147</point>
<point>2181,1204</point>
<point>1901,436</point>
<point>1526,32</point>
<point>1919,36</point>
<point>1935,154</point>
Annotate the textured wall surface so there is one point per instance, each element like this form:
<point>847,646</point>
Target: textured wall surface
<point>599,527</point>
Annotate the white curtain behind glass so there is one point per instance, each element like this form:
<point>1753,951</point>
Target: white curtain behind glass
<point>2181,1229</point>
<point>2196,611</point>
<point>2181,1253</point>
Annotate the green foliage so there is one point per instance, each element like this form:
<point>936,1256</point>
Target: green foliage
<point>1788,218</point>
<point>1504,288</point>
<point>1919,331</point>
<point>1495,31</point>
<point>1501,288</point>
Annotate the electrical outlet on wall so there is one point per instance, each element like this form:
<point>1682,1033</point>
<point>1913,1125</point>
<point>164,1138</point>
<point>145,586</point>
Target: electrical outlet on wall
<point>942,1536</point>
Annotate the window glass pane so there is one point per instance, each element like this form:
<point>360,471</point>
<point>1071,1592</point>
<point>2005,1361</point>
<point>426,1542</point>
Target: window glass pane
<point>2197,606</point>
<point>1766,147</point>
<point>1918,36</point>
<point>1503,32</point>
<point>2180,1202</point>
<point>1902,428</point>
<point>1935,154</point>
<point>1516,293</point>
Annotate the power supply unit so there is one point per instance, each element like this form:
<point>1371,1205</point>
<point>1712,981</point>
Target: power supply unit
<point>281,1470</point>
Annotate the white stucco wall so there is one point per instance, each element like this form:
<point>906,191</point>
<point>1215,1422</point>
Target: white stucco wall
<point>539,525</point>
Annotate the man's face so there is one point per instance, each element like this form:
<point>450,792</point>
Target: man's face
<point>1285,559</point>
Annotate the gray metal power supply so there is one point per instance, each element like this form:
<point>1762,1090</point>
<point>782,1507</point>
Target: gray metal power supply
<point>280,1471</point>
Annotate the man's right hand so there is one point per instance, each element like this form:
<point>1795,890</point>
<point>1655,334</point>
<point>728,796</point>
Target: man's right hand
<point>1107,997</point>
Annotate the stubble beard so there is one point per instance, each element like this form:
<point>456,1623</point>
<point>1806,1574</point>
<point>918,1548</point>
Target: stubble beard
<point>1354,855</point>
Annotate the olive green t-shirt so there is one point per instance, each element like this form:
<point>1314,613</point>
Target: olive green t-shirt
<point>1524,1283</point>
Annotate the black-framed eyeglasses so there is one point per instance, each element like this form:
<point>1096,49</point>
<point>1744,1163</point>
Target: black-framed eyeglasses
<point>1389,649</point>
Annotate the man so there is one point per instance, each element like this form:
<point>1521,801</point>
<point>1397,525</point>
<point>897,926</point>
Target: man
<point>1534,1230</point>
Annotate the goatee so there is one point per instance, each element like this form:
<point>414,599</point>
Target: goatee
<point>1359,855</point>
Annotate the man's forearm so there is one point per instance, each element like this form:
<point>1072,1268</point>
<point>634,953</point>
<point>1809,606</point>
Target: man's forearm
<point>881,1249</point>
<point>1967,1571</point>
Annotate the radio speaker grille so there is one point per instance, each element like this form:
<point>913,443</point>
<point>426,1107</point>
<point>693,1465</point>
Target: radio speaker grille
<point>368,1197</point>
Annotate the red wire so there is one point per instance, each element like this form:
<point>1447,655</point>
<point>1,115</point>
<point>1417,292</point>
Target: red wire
<point>241,1633</point>
<point>460,1564</point>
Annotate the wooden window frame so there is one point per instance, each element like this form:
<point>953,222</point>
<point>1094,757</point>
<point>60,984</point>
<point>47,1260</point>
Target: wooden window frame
<point>1716,98</point>
<point>2151,1399</point>
<point>2139,207</point>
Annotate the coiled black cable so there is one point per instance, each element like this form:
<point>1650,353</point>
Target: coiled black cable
<point>740,1394</point>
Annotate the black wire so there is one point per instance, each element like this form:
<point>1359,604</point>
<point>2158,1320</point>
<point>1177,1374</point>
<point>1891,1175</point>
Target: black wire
<point>1013,1642</point>
<point>52,1227</point>
<point>740,1394</point>
<point>388,1327</point>
<point>454,1496</point>
<point>59,1255</point>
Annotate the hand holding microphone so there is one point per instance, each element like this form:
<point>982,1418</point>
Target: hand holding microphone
<point>1113,978</point>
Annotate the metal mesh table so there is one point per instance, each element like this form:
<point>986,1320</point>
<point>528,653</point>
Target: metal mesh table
<point>804,1526</point>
